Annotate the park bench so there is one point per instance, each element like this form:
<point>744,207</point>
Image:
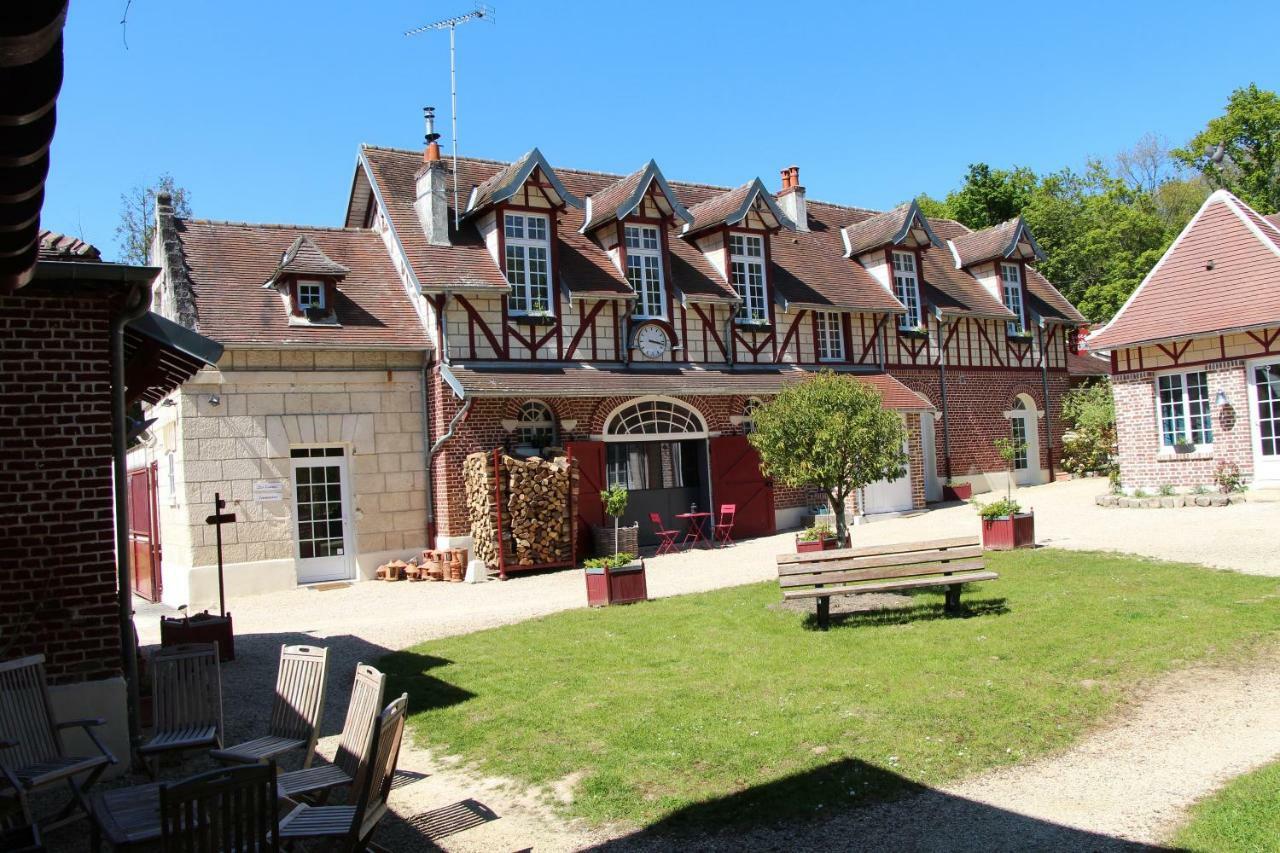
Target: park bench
<point>888,568</point>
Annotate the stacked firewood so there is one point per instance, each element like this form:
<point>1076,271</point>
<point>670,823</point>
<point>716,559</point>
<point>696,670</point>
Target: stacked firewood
<point>536,500</point>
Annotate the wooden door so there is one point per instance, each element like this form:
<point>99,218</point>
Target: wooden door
<point>591,481</point>
<point>144,532</point>
<point>736,479</point>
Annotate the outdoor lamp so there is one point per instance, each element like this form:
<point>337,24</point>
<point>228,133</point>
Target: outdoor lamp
<point>1221,399</point>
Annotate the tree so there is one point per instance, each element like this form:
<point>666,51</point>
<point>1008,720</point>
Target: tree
<point>1089,444</point>
<point>138,217</point>
<point>830,433</point>
<point>990,196</point>
<point>1248,136</point>
<point>615,504</point>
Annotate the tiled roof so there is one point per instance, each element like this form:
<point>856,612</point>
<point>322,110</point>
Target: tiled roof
<point>503,183</point>
<point>892,226</point>
<point>60,247</point>
<point>998,241</point>
<point>1086,365</point>
<point>1221,273</point>
<point>730,206</point>
<point>619,199</point>
<point>576,380</point>
<point>303,257</point>
<point>227,263</point>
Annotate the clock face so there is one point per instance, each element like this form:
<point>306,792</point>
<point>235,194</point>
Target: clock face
<point>652,341</point>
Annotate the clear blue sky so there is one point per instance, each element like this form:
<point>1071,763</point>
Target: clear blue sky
<point>258,107</point>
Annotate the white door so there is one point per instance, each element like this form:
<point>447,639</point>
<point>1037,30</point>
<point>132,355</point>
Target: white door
<point>321,502</point>
<point>1264,404</point>
<point>932,485</point>
<point>889,495</point>
<point>1024,432</point>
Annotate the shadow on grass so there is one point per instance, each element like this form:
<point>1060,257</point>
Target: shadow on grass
<point>852,805</point>
<point>915,613</point>
<point>407,672</point>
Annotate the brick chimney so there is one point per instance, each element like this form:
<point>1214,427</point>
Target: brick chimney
<point>432,203</point>
<point>791,198</point>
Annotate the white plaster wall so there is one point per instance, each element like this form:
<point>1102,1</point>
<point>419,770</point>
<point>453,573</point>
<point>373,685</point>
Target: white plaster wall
<point>105,698</point>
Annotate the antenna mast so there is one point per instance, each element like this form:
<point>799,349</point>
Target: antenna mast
<point>481,12</point>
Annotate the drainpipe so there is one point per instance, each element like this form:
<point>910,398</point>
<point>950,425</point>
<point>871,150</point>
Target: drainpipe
<point>730,346</point>
<point>432,449</point>
<point>1044,384</point>
<point>942,382</point>
<point>137,302</point>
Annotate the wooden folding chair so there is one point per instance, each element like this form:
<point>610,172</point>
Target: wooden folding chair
<point>295,713</point>
<point>31,752</point>
<point>187,699</point>
<point>228,809</point>
<point>362,715</point>
<point>723,532</point>
<point>349,828</point>
<point>666,538</point>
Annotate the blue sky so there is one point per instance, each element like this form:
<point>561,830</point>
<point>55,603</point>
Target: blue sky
<point>258,107</point>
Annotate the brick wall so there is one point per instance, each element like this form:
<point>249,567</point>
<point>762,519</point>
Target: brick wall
<point>57,544</point>
<point>1142,463</point>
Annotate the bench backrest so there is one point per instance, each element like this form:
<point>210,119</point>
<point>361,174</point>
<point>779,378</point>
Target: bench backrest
<point>910,559</point>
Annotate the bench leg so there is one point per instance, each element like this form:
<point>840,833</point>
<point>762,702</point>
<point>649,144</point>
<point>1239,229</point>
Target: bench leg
<point>953,598</point>
<point>824,612</point>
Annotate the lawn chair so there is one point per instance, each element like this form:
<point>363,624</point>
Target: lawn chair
<point>667,538</point>
<point>295,713</point>
<point>31,752</point>
<point>186,689</point>
<point>353,749</point>
<point>349,828</point>
<point>228,809</point>
<point>723,532</point>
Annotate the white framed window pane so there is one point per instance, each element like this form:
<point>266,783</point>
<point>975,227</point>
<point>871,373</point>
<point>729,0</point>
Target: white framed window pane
<point>514,225</point>
<point>1199,417</point>
<point>536,227</point>
<point>1172,424</point>
<point>1011,277</point>
<point>310,295</point>
<point>830,337</point>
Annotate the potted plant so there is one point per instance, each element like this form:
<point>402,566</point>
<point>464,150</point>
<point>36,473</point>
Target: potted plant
<point>539,313</point>
<point>618,578</point>
<point>1183,444</point>
<point>957,491</point>
<point>916,331</point>
<point>1006,526</point>
<point>817,537</point>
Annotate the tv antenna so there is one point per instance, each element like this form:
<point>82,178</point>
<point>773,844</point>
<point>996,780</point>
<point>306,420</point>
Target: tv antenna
<point>480,12</point>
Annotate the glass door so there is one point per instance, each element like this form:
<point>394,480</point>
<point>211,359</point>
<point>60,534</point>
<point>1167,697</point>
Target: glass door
<point>321,501</point>
<point>1264,393</point>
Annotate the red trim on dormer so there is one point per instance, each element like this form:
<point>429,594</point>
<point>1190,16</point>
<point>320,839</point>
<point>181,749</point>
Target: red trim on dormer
<point>291,288</point>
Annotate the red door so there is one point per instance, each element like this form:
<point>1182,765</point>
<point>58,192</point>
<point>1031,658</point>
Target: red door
<point>736,479</point>
<point>588,506</point>
<point>144,533</point>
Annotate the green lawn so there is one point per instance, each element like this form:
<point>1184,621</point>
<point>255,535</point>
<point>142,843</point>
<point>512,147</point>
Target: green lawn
<point>1243,816</point>
<point>714,707</point>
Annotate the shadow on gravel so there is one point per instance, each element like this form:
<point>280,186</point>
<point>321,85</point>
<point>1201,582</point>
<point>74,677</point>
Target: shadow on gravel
<point>918,818</point>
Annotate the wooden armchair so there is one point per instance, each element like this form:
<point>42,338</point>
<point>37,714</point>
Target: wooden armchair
<point>353,749</point>
<point>349,828</point>
<point>228,809</point>
<point>187,700</point>
<point>31,751</point>
<point>295,714</point>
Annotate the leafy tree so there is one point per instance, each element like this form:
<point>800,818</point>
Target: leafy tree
<point>138,217</point>
<point>615,504</point>
<point>990,196</point>
<point>1089,444</point>
<point>1249,136</point>
<point>831,433</point>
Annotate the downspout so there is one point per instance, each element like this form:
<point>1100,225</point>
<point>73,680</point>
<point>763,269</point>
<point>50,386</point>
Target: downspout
<point>137,302</point>
<point>942,381</point>
<point>434,448</point>
<point>1044,384</point>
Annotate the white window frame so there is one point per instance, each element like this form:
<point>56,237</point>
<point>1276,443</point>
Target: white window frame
<point>649,280</point>
<point>526,426</point>
<point>743,263</point>
<point>310,294</point>
<point>830,342</point>
<point>906,287</point>
<point>1184,410</point>
<point>1012,290</point>
<point>521,249</point>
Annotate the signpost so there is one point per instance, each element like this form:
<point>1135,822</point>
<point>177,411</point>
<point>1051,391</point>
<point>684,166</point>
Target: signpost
<point>218,519</point>
<point>205,627</point>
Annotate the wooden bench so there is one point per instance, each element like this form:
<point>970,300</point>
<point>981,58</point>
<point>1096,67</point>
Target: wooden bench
<point>913,565</point>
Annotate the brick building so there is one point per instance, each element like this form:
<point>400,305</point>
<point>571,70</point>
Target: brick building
<point>1195,354</point>
<point>637,322</point>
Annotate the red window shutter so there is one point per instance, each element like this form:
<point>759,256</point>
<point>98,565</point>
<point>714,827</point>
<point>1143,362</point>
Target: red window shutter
<point>291,287</point>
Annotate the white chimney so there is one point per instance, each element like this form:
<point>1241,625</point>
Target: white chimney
<point>791,198</point>
<point>432,202</point>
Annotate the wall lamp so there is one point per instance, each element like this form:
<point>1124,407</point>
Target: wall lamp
<point>214,400</point>
<point>1221,399</point>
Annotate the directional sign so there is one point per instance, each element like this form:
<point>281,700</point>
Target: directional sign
<point>224,518</point>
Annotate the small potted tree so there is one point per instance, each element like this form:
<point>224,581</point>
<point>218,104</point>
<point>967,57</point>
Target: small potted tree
<point>619,577</point>
<point>1004,524</point>
<point>816,537</point>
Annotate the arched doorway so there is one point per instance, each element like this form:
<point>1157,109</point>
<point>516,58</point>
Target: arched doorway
<point>1024,429</point>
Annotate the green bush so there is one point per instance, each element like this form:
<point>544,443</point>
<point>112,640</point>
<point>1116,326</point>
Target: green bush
<point>1002,508</point>
<point>1089,445</point>
<point>613,561</point>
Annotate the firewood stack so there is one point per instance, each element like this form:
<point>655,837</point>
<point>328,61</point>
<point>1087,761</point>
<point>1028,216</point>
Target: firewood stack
<point>537,527</point>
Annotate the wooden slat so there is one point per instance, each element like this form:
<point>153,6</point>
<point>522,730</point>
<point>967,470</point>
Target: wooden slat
<point>871,551</point>
<point>847,563</point>
<point>889,586</point>
<point>855,575</point>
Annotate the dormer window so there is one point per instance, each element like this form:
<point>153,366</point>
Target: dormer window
<point>830,336</point>
<point>644,270</point>
<point>311,295</point>
<point>746,266</point>
<point>307,280</point>
<point>528,250</point>
<point>906,286</point>
<point>1011,282</point>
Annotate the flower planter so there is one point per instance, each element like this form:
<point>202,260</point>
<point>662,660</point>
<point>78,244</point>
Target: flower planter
<point>1012,531</point>
<point>623,585</point>
<point>200,628</point>
<point>957,492</point>
<point>805,546</point>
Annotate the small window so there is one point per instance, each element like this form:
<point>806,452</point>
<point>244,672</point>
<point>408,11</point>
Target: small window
<point>171,466</point>
<point>528,257</point>
<point>746,267</point>
<point>749,414</point>
<point>906,286</point>
<point>1185,416</point>
<point>644,270</point>
<point>1011,280</point>
<point>310,295</point>
<point>830,336</point>
<point>536,425</point>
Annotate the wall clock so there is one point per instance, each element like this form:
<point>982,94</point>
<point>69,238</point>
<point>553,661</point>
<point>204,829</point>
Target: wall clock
<point>652,341</point>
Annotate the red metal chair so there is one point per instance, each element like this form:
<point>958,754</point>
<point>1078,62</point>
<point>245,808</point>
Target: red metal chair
<point>723,532</point>
<point>667,538</point>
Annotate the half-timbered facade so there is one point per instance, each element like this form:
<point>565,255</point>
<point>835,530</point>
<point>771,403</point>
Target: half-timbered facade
<point>1195,355</point>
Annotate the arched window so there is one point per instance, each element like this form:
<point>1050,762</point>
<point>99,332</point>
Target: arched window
<point>749,414</point>
<point>656,417</point>
<point>536,425</point>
